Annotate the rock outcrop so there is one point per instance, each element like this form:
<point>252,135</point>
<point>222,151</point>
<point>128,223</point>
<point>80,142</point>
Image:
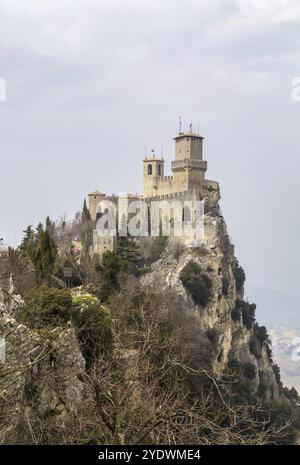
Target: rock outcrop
<point>221,319</point>
<point>40,376</point>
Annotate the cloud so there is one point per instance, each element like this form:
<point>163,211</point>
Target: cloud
<point>90,82</point>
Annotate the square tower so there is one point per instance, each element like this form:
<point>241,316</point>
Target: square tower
<point>188,146</point>
<point>189,168</point>
<point>153,174</point>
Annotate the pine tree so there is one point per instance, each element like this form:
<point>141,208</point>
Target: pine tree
<point>28,240</point>
<point>39,231</point>
<point>128,249</point>
<point>43,256</point>
<point>111,267</point>
<point>50,226</point>
<point>86,226</point>
<point>85,215</point>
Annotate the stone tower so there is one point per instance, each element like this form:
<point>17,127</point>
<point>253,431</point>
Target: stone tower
<point>188,168</point>
<point>153,173</point>
<point>94,199</point>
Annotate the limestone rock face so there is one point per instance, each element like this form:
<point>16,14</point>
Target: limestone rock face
<point>40,374</point>
<point>231,338</point>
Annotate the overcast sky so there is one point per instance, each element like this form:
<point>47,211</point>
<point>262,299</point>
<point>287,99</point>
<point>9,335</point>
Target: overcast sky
<point>90,82</point>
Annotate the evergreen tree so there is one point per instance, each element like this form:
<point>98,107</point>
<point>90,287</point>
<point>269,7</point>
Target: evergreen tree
<point>158,245</point>
<point>128,249</point>
<point>85,215</point>
<point>110,269</point>
<point>50,226</point>
<point>28,240</point>
<point>39,231</point>
<point>43,256</point>
<point>86,226</point>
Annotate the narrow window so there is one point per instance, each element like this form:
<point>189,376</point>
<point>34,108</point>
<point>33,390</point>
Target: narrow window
<point>149,169</point>
<point>159,170</point>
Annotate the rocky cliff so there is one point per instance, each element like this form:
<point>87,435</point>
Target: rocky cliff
<point>40,376</point>
<point>44,375</point>
<point>226,318</point>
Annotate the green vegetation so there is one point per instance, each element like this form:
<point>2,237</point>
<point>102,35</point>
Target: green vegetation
<point>197,283</point>
<point>93,325</point>
<point>246,310</point>
<point>158,247</point>
<point>147,357</point>
<point>47,308</point>
<point>43,256</point>
<point>249,371</point>
<point>128,250</point>
<point>40,248</point>
<point>240,277</point>
<point>255,346</point>
<point>225,286</point>
<point>110,270</point>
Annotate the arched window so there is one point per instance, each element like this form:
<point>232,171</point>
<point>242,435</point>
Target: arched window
<point>159,170</point>
<point>150,169</point>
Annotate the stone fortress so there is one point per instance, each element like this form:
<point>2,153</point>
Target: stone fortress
<point>187,182</point>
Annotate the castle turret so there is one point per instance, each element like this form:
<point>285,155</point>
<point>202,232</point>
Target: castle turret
<point>188,145</point>
<point>189,168</point>
<point>153,173</point>
<point>94,199</point>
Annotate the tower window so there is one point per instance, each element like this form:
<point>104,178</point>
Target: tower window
<point>159,170</point>
<point>149,169</point>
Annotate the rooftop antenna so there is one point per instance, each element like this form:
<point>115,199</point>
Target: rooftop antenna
<point>180,125</point>
<point>191,126</point>
<point>198,127</point>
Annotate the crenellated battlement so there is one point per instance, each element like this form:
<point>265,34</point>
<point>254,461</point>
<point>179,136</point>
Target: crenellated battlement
<point>186,182</point>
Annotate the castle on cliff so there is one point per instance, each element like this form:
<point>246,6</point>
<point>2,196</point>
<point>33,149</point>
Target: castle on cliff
<point>187,182</point>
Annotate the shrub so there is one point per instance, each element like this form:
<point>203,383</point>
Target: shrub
<point>197,283</point>
<point>248,314</point>
<point>213,336</point>
<point>158,247</point>
<point>249,371</point>
<point>240,277</point>
<point>93,325</point>
<point>246,310</point>
<point>143,270</point>
<point>261,333</point>
<point>225,286</point>
<point>262,389</point>
<point>47,307</point>
<point>236,313</point>
<point>276,371</point>
<point>255,346</point>
<point>234,365</point>
<point>291,394</point>
<point>243,392</point>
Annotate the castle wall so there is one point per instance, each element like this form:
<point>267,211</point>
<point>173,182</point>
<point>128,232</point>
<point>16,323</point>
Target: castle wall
<point>102,244</point>
<point>94,200</point>
<point>187,183</point>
